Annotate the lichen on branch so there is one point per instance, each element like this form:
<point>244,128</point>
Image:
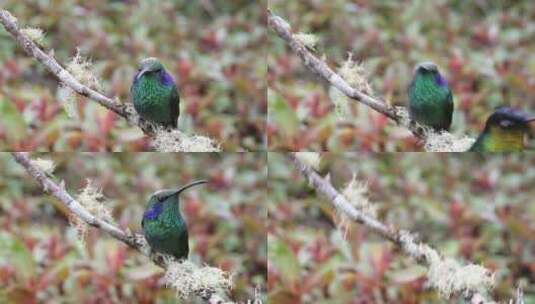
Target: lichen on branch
<point>188,279</point>
<point>166,140</point>
<point>92,199</point>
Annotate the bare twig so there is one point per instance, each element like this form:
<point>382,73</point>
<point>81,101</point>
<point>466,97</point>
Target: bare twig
<point>134,240</point>
<point>422,253</point>
<point>321,68</point>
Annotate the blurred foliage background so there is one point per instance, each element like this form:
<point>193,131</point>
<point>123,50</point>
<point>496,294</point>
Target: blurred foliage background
<point>42,260</point>
<point>472,208</point>
<point>213,48</point>
<point>484,48</point>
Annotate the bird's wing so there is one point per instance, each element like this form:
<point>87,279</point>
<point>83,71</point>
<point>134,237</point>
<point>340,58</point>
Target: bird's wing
<point>450,107</point>
<point>186,241</point>
<point>174,106</point>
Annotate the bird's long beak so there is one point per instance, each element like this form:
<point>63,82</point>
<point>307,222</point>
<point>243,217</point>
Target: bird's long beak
<point>195,183</point>
<point>140,73</point>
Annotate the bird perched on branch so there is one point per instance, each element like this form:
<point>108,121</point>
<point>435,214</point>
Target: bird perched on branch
<point>504,131</point>
<point>163,224</point>
<point>155,94</point>
<point>430,98</point>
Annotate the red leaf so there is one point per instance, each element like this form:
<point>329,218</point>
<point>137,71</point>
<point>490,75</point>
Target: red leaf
<point>116,259</point>
<point>184,68</point>
<point>107,123</point>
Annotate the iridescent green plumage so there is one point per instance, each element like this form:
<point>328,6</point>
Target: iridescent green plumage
<point>154,93</point>
<point>504,132</point>
<point>430,98</point>
<point>163,224</point>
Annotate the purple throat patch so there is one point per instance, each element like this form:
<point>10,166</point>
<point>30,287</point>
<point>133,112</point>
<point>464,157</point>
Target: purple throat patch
<point>441,81</point>
<point>153,212</point>
<point>166,79</point>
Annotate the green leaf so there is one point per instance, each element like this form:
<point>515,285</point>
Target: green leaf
<point>284,260</point>
<point>12,121</point>
<point>14,252</point>
<point>282,115</point>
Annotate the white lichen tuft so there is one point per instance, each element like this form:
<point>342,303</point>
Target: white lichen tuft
<point>356,193</point>
<point>175,141</point>
<point>355,75</point>
<point>404,117</point>
<point>446,274</point>
<point>417,249</point>
<point>80,68</point>
<point>46,165</point>
<point>450,278</point>
<point>189,279</point>
<point>35,34</point>
<point>68,99</point>
<point>308,40</point>
<point>311,159</point>
<point>446,142</point>
<point>341,103</point>
<point>91,198</point>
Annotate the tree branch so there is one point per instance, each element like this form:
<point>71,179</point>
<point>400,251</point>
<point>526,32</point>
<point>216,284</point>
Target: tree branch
<point>133,240</point>
<point>321,68</point>
<point>422,253</point>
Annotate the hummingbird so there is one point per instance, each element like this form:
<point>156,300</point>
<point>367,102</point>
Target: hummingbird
<point>155,94</point>
<point>504,131</point>
<point>430,97</point>
<point>163,224</point>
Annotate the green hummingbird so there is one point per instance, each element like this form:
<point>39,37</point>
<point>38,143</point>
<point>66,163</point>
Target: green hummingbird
<point>504,131</point>
<point>155,94</point>
<point>163,224</point>
<point>430,98</point>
